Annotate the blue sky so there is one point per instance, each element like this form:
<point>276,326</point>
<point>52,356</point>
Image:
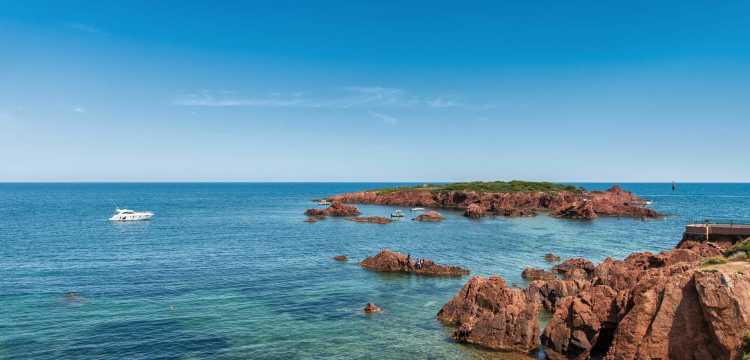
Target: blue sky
<point>374,91</point>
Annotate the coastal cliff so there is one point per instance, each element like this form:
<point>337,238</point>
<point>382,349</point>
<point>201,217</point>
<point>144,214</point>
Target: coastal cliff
<point>692,302</point>
<point>510,199</point>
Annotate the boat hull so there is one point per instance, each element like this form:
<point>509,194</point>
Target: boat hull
<point>131,217</point>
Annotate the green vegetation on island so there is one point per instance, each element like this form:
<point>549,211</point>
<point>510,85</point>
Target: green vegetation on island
<point>488,186</point>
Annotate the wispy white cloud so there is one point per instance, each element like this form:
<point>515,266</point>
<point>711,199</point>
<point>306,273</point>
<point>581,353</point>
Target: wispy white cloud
<point>384,118</point>
<point>443,103</point>
<point>344,98</point>
<point>85,28</point>
<point>348,97</point>
<point>79,109</point>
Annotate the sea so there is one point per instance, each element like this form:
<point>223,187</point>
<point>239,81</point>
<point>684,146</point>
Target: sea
<point>232,271</point>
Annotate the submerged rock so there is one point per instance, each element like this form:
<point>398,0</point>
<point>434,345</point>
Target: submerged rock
<point>390,261</point>
<point>550,257</point>
<point>73,297</point>
<point>371,308</point>
<point>340,258</point>
<point>372,219</point>
<point>488,313</point>
<point>430,216</point>
<point>311,220</point>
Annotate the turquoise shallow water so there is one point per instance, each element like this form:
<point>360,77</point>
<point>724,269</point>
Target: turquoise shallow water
<point>231,271</point>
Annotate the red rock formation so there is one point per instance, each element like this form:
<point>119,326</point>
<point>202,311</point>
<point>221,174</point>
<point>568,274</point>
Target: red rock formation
<point>568,267</point>
<point>652,306</point>
<point>550,257</point>
<point>475,211</point>
<point>371,308</point>
<point>550,292</point>
<point>580,211</point>
<point>390,261</point>
<point>430,216</point>
<point>372,220</point>
<point>336,209</point>
<point>532,274</point>
<point>583,205</point>
<point>646,306</point>
<point>486,312</point>
<point>582,323</point>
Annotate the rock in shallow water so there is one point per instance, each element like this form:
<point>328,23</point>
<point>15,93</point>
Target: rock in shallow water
<point>340,258</point>
<point>372,220</point>
<point>433,216</point>
<point>371,308</point>
<point>488,313</point>
<point>390,261</point>
<point>336,209</point>
<point>550,257</point>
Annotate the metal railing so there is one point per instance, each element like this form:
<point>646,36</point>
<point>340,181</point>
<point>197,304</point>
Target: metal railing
<point>714,220</point>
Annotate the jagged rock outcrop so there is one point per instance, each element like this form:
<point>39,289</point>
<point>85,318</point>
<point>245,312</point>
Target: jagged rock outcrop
<point>583,210</point>
<point>532,274</point>
<point>390,261</point>
<point>575,267</point>
<point>475,211</point>
<point>336,209</point>
<point>488,313</point>
<point>430,216</point>
<point>550,292</point>
<point>372,219</point>
<point>583,324</point>
<point>652,306</point>
<point>566,204</point>
<point>669,305</point>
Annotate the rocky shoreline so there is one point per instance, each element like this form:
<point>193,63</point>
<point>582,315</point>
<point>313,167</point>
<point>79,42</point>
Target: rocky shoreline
<point>691,302</point>
<point>476,204</point>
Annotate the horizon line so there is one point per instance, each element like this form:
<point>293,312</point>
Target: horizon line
<point>347,182</point>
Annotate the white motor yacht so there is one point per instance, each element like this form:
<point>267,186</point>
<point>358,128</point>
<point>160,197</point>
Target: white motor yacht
<point>130,215</point>
<point>324,202</point>
<point>417,209</point>
<point>397,214</point>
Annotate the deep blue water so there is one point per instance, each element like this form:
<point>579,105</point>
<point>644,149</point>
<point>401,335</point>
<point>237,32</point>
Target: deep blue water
<point>232,271</point>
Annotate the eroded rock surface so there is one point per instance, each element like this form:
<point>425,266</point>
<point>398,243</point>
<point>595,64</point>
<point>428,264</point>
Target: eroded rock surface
<point>372,219</point>
<point>650,306</point>
<point>488,313</point>
<point>566,204</point>
<point>532,274</point>
<point>391,261</point>
<point>336,209</point>
<point>431,215</point>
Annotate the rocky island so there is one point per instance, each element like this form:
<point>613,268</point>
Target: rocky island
<point>692,302</point>
<point>514,198</point>
<point>391,261</point>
